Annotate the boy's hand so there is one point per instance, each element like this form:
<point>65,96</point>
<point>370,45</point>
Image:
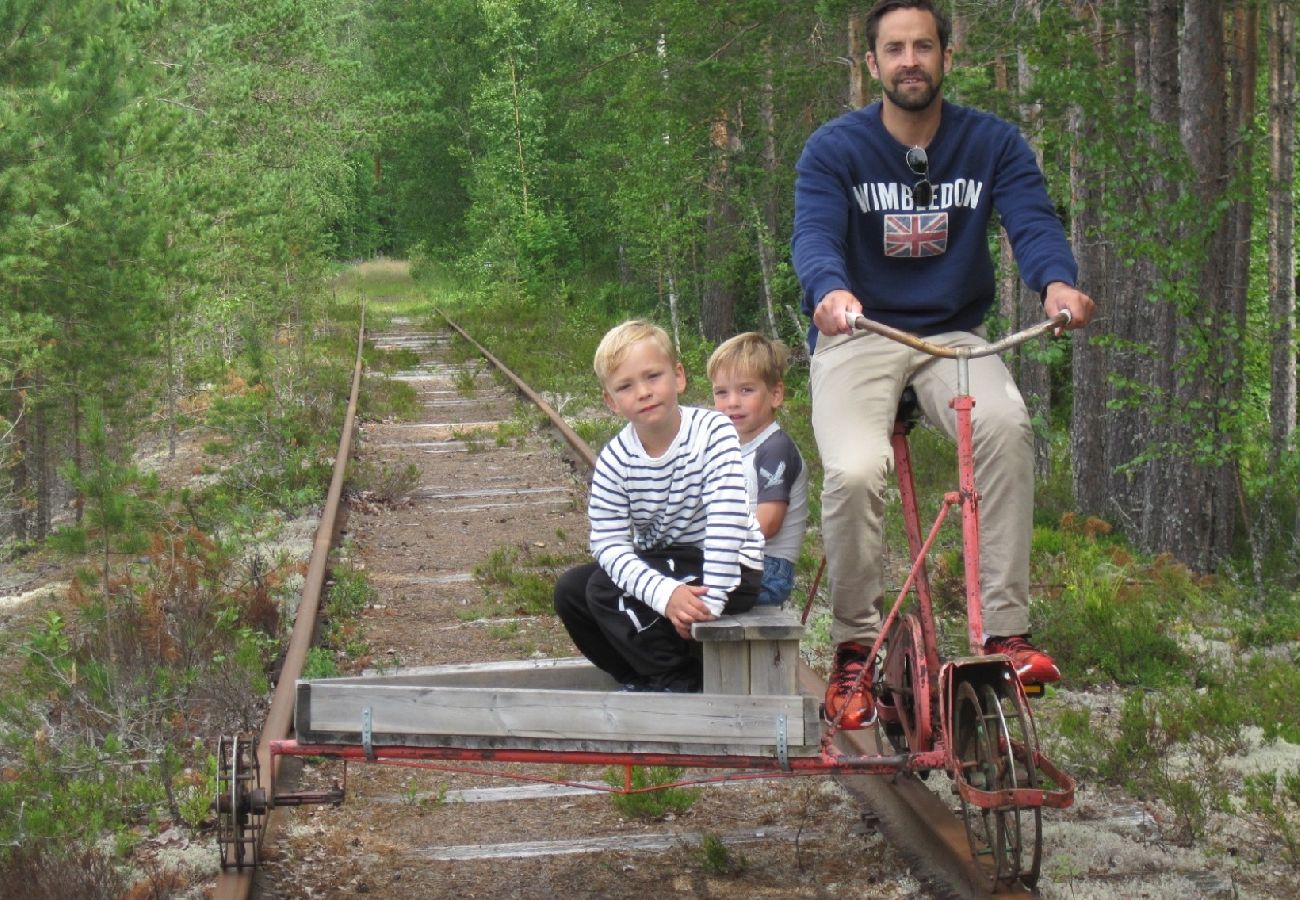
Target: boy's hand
<point>685,607</point>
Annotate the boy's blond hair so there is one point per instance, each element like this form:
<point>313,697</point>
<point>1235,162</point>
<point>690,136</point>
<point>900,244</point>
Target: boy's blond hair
<point>750,353</point>
<point>616,342</point>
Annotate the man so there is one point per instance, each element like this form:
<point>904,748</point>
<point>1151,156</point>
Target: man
<point>892,207</point>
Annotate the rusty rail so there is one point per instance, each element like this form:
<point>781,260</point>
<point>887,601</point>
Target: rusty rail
<point>571,436</point>
<point>236,884</point>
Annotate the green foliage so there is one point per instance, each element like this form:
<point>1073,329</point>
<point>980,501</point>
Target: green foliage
<point>1274,798</point>
<point>387,400</point>
<point>122,504</point>
<point>651,797</point>
<point>716,859</point>
<point>320,664</point>
<point>519,580</point>
<point>1109,619</point>
<point>347,593</point>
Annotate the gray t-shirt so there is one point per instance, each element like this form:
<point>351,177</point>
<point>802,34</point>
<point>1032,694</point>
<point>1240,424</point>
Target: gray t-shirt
<point>775,471</point>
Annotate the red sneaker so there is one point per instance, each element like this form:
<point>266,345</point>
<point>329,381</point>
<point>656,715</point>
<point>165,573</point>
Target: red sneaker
<point>848,690</point>
<point>1031,664</point>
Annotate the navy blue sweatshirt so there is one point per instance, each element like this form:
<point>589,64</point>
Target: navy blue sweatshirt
<point>922,270</point>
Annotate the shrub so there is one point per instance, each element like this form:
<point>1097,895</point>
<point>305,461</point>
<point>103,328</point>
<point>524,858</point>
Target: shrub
<point>649,800</point>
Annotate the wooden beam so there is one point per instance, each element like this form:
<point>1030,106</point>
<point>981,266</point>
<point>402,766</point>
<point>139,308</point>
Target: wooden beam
<point>439,715</point>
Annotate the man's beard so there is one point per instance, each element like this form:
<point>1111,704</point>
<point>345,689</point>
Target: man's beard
<point>916,102</point>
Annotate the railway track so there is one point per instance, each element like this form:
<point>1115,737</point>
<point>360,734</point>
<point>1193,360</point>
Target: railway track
<point>499,502</point>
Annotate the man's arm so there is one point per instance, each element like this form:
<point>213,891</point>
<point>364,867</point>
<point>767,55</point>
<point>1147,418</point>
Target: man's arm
<point>817,245</point>
<point>829,314</point>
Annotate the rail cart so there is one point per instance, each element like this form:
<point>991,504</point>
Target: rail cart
<point>967,716</point>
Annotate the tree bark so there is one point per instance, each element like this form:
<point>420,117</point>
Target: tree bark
<point>859,84</point>
<point>1195,525</point>
<point>721,294</point>
<point>1089,438</point>
<point>1281,228</point>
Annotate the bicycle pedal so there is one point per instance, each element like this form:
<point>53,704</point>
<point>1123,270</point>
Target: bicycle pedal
<point>1033,689</point>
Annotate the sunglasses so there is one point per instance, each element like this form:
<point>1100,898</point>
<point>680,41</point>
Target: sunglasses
<point>919,163</point>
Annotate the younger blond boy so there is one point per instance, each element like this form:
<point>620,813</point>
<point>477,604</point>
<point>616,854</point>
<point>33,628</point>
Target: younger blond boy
<point>748,375</point>
<point>672,534</point>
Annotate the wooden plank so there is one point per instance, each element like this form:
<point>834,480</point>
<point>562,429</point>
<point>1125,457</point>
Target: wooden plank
<point>641,745</point>
<point>770,623</point>
<point>727,668</point>
<point>565,673</point>
<point>519,717</point>
<point>632,843</point>
<point>772,666</point>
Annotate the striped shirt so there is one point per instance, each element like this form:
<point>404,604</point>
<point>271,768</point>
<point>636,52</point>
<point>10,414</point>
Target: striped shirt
<point>693,494</point>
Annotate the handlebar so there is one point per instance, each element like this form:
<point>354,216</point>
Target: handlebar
<point>859,322</point>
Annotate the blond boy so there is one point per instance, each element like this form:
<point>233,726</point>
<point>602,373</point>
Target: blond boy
<point>672,534</point>
<point>748,375</point>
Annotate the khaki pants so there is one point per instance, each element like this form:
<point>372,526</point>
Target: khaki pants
<point>856,385</point>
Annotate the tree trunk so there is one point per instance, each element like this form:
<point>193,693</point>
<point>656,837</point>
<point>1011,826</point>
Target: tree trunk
<point>1281,265</point>
<point>859,84</point>
<point>766,223</point>
<point>1091,431</point>
<point>19,482</point>
<point>1194,524</point>
<point>39,462</point>
<point>1281,228</point>
<point>721,294</point>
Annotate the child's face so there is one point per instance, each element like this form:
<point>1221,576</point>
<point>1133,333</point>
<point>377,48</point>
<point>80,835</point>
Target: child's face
<point>747,401</point>
<point>643,388</point>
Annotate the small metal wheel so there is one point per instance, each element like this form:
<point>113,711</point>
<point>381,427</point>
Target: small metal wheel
<point>996,745</point>
<point>240,803</point>
<point>904,688</point>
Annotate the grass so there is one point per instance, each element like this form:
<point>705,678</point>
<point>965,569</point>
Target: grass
<point>520,580</point>
<point>382,483</point>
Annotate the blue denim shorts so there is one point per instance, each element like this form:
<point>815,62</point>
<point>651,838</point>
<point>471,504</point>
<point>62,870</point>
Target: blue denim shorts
<point>778,581</point>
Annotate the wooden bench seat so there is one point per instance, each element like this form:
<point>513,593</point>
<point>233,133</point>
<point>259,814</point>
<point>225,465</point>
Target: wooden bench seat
<point>755,652</point>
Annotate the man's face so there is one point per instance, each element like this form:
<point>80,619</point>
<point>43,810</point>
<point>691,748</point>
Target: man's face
<point>907,60</point>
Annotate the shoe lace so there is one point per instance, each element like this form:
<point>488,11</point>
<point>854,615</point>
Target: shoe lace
<point>849,667</point>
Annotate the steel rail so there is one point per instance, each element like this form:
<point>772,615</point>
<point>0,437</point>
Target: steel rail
<point>574,440</point>
<point>236,884</point>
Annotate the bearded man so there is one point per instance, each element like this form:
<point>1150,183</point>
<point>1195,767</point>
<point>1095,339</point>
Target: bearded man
<point>892,210</point>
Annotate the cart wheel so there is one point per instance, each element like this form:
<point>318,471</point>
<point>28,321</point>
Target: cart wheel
<point>240,803</point>
<point>995,746</point>
<point>1017,750</point>
<point>904,689</point>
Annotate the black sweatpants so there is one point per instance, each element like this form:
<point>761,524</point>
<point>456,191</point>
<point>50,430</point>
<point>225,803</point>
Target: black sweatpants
<point>627,638</point>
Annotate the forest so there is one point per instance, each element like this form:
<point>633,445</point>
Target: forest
<point>178,176</point>
<point>182,181</point>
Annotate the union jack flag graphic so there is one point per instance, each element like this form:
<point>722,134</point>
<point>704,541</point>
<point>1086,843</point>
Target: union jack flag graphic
<point>920,234</point>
